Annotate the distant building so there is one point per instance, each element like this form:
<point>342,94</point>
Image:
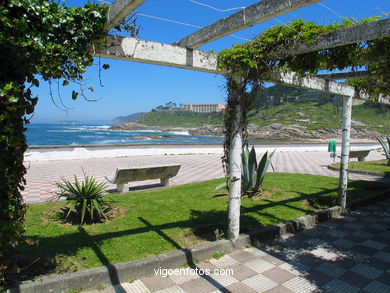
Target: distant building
<point>203,108</point>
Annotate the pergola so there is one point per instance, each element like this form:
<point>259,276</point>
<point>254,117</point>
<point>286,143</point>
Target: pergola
<point>183,54</point>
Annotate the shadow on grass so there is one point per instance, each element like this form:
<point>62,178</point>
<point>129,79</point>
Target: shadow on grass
<point>207,225</point>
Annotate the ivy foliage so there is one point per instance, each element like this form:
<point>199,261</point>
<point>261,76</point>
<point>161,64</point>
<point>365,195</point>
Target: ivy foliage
<point>272,49</point>
<point>38,38</point>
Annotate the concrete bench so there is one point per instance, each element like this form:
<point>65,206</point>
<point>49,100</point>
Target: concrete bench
<point>360,155</point>
<point>123,176</point>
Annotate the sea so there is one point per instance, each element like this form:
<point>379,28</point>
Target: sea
<point>42,134</point>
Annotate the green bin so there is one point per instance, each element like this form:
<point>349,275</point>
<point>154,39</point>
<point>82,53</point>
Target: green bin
<point>332,146</point>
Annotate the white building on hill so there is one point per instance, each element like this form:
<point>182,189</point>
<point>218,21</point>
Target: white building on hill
<point>203,108</point>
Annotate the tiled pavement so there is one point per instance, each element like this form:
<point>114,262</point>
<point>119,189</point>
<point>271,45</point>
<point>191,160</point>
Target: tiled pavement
<point>346,255</point>
<point>41,175</point>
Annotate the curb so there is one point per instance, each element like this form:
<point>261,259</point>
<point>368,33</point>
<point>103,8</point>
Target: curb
<point>360,172</point>
<point>123,272</point>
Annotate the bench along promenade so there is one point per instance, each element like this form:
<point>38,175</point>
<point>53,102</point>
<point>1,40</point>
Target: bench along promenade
<point>41,175</point>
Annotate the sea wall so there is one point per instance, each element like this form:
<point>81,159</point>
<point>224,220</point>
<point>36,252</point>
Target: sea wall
<point>54,153</point>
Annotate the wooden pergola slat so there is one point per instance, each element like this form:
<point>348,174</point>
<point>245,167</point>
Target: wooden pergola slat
<point>119,10</point>
<point>254,14</point>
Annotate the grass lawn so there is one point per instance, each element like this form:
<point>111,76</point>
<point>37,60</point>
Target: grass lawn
<point>379,167</point>
<point>159,221</point>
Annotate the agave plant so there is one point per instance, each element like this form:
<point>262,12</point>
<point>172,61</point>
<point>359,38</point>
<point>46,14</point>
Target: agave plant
<point>252,173</point>
<point>386,148</point>
<point>87,197</point>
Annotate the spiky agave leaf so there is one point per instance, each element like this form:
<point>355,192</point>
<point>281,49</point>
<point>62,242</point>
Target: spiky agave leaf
<point>245,165</point>
<point>384,146</point>
<point>252,168</point>
<point>262,170</point>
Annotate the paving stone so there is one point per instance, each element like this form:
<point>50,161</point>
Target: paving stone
<point>338,233</point>
<point>174,289</point>
<point>355,279</point>
<point>259,265</point>
<point>377,287</point>
<point>186,276</point>
<point>340,286</point>
<point>135,287</point>
<point>330,269</point>
<point>367,271</point>
<point>343,243</point>
<point>364,249</point>
<point>385,234</point>
<point>224,261</point>
<point>156,283</point>
<point>374,244</point>
<point>272,259</point>
<point>224,280</point>
<point>317,278</point>
<point>278,275</point>
<point>240,288</point>
<point>198,286</point>
<point>384,256</point>
<point>279,289</point>
<point>295,268</point>
<point>260,283</point>
<point>384,278</point>
<point>346,262</point>
<point>300,285</point>
<point>241,272</point>
<point>324,253</point>
<point>241,256</point>
<point>255,251</point>
<point>362,234</point>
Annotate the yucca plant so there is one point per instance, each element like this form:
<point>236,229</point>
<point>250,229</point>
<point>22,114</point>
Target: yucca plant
<point>386,148</point>
<point>86,196</point>
<point>252,173</point>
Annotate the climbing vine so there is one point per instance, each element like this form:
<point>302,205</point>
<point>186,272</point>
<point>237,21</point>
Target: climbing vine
<point>38,39</point>
<point>272,49</point>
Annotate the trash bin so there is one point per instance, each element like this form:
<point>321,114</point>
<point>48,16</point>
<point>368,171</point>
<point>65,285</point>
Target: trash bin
<point>332,146</point>
<point>332,149</point>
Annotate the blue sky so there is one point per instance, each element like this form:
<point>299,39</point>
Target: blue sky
<point>131,87</point>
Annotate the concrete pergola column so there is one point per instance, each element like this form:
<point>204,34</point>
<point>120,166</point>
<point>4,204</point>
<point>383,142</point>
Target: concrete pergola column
<point>235,166</point>
<point>345,148</point>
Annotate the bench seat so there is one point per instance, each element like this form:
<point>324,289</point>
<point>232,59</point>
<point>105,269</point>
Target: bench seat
<point>123,176</point>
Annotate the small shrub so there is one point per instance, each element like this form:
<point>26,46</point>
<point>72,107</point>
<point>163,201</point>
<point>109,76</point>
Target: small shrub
<point>87,198</point>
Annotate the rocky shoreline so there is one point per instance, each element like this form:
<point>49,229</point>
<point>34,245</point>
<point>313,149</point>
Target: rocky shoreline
<point>276,131</point>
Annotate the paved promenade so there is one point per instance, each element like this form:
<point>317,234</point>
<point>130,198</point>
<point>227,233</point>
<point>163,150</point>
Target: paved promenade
<point>346,255</point>
<point>41,175</point>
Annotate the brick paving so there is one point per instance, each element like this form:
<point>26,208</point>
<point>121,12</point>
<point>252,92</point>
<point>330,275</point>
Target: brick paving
<point>337,256</point>
<point>42,175</point>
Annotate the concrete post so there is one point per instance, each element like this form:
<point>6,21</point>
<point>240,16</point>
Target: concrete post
<point>235,166</point>
<point>345,148</point>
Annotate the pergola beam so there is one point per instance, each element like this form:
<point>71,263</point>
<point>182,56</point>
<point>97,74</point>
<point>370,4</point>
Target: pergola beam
<point>351,35</point>
<point>119,10</point>
<point>254,14</point>
<point>342,75</point>
<point>132,49</point>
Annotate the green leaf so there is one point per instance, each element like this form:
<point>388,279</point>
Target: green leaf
<point>74,95</point>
